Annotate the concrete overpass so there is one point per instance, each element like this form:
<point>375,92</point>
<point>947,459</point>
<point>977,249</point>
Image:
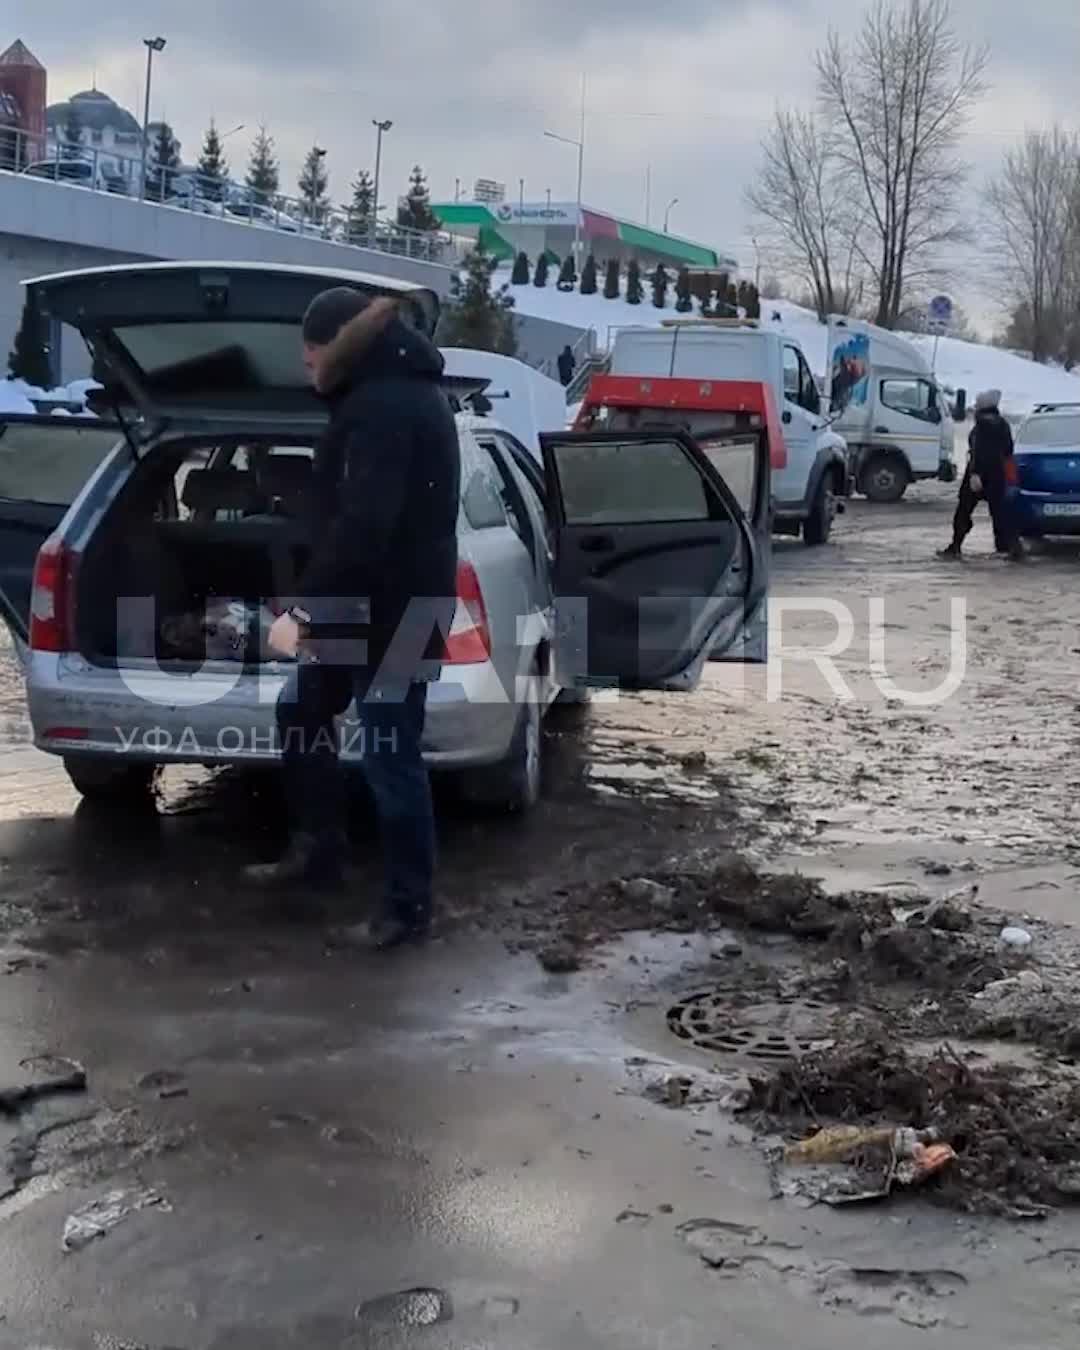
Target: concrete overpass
<point>54,227</point>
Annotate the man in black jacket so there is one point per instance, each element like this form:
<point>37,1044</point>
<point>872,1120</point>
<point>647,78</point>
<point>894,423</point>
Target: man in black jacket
<point>376,599</point>
<point>986,478</point>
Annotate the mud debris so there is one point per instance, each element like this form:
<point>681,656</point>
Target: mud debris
<point>561,958</point>
<point>1016,1132</point>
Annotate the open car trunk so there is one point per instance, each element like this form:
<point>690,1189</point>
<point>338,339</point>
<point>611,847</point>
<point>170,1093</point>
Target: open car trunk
<point>192,557</point>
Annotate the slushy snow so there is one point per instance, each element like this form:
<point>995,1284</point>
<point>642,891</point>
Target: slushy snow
<point>959,365</point>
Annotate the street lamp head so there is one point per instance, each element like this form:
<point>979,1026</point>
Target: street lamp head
<point>156,44</point>
<point>382,126</point>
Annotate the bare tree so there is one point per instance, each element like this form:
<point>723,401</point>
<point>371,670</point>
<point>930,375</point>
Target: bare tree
<point>1035,223</point>
<point>803,204</point>
<point>899,98</point>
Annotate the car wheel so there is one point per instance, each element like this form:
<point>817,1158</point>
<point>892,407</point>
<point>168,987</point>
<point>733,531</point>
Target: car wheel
<point>513,785</point>
<point>884,479</point>
<point>101,780</point>
<point>818,524</point>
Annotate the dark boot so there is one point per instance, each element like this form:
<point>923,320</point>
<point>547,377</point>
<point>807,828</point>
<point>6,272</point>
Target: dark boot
<point>386,932</point>
<point>952,552</point>
<point>1017,552</point>
<point>309,861</point>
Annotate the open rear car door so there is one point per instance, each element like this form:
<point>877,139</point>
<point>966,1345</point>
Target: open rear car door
<point>662,553</point>
<point>45,462</point>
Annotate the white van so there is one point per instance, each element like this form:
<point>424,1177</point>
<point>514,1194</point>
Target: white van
<point>889,408</point>
<point>806,492</point>
<point>525,401</point>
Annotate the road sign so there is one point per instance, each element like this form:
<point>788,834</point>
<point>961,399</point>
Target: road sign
<point>940,311</point>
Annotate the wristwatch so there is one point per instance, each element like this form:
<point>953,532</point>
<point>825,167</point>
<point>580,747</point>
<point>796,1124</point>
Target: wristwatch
<point>302,617</point>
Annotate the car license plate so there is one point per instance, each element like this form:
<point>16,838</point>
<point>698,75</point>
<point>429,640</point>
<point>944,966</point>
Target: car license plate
<point>1061,509</point>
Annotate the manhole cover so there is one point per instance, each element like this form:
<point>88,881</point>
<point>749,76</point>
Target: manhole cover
<point>775,1031</point>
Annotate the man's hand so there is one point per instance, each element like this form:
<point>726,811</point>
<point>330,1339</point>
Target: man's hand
<point>976,483</point>
<point>284,636</point>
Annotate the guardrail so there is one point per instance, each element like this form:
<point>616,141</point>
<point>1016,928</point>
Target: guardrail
<point>99,169</point>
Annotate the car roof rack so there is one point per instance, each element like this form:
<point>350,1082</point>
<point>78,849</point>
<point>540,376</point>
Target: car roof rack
<point>1056,406</point>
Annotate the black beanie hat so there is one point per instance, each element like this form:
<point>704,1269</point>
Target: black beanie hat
<point>329,312</point>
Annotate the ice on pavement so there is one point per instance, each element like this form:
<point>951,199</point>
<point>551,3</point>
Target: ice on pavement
<point>959,365</point>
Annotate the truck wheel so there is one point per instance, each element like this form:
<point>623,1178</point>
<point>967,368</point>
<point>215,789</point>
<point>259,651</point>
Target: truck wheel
<point>884,479</point>
<point>819,523</point>
<point>513,785</point>
<point>102,780</point>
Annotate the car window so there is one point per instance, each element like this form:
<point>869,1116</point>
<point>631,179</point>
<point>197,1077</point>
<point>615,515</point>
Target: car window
<point>735,458</point>
<point>913,398</point>
<point>49,461</point>
<point>1061,433</point>
<point>630,483</point>
<point>481,499</point>
<point>809,398</point>
<point>791,374</point>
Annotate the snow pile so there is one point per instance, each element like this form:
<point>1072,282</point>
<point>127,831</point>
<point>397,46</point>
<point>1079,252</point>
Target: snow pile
<point>16,396</point>
<point>959,365</point>
<point>12,398</point>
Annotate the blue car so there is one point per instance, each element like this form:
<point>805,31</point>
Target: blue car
<point>1046,494</point>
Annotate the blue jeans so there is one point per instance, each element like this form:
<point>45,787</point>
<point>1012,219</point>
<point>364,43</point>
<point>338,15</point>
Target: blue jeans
<point>388,732</point>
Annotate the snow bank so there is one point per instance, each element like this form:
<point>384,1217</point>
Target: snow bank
<point>12,398</point>
<point>16,396</point>
<point>959,365</point>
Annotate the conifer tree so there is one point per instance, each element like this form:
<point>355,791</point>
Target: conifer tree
<point>416,213</point>
<point>521,274</point>
<point>213,169</point>
<point>540,280</point>
<point>361,208</point>
<point>588,276</point>
<point>684,300</point>
<point>611,280</point>
<point>476,317</point>
<point>635,291</point>
<point>264,173</point>
<point>29,359</point>
<point>314,183</point>
<point>660,287</point>
<point>567,274</point>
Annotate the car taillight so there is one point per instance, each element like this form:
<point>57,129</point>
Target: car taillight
<point>51,599</point>
<point>469,641</point>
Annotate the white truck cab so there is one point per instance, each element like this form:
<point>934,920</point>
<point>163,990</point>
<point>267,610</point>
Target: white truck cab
<point>892,412</point>
<point>805,493</point>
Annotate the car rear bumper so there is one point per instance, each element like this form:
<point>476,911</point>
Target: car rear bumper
<point>221,717</point>
<point>1045,513</point>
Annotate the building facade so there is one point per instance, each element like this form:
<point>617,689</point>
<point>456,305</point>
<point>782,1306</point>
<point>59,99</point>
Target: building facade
<point>105,129</point>
<point>507,228</point>
<point>23,84</point>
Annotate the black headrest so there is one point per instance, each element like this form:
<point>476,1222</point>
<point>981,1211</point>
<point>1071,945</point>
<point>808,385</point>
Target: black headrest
<point>220,490</point>
<point>286,475</point>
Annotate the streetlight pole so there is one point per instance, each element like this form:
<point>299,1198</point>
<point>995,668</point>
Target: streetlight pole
<point>667,214</point>
<point>580,146</point>
<point>381,128</point>
<point>152,45</point>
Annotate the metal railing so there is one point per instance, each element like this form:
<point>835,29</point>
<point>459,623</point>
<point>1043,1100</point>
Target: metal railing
<point>99,169</point>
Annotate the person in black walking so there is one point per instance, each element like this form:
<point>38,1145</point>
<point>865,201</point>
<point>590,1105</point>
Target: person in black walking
<point>376,601</point>
<point>986,479</point>
<point>567,365</point>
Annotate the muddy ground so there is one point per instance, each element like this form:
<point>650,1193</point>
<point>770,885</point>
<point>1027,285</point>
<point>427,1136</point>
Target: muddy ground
<point>564,1123</point>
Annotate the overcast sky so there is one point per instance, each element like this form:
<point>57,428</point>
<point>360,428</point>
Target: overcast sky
<point>687,87</point>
